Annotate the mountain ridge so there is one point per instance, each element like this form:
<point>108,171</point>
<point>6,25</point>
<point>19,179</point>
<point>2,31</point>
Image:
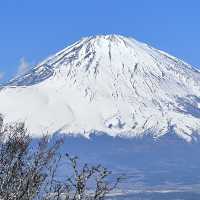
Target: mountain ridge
<point>110,84</point>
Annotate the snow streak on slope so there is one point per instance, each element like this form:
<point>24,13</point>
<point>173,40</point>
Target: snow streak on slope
<point>109,84</point>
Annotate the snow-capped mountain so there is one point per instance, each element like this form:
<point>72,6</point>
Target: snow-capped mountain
<point>111,84</point>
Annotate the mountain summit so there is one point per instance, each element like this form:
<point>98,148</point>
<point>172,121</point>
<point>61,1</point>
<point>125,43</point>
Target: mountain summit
<point>111,84</point>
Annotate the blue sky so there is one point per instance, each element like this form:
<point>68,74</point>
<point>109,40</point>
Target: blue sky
<point>30,30</point>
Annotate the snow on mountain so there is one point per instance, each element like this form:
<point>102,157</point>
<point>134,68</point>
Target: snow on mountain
<point>110,84</point>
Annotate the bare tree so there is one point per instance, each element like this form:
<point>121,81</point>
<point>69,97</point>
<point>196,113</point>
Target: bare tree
<point>22,169</point>
<point>95,177</point>
<point>28,172</point>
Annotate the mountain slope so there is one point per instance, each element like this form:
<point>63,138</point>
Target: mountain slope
<point>110,84</point>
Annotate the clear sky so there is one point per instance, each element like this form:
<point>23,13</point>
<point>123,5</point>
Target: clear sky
<point>31,30</point>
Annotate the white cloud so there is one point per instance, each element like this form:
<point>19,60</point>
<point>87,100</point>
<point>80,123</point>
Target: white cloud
<point>23,67</point>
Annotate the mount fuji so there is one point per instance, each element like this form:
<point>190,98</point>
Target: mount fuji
<point>107,84</point>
